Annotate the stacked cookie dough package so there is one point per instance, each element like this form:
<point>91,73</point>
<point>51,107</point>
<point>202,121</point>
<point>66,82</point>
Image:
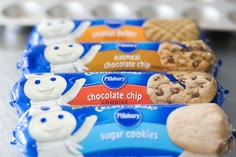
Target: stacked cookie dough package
<point>120,88</point>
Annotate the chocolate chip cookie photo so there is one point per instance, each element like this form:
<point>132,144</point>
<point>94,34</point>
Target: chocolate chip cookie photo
<point>187,87</point>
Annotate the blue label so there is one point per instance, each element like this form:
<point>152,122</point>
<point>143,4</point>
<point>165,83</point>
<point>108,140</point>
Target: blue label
<point>114,24</point>
<point>114,81</point>
<point>128,117</point>
<point>127,47</point>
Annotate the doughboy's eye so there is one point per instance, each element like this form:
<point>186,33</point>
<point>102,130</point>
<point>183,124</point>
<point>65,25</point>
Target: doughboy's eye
<point>53,79</point>
<point>56,48</point>
<point>62,21</point>
<point>45,108</point>
<point>43,120</point>
<point>37,81</point>
<point>49,23</point>
<point>60,116</point>
<point>70,45</point>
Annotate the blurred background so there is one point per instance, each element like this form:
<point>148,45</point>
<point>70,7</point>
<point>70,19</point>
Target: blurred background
<point>216,18</point>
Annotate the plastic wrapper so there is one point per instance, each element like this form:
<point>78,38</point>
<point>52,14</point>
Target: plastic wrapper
<point>139,56</point>
<point>84,89</point>
<point>121,130</point>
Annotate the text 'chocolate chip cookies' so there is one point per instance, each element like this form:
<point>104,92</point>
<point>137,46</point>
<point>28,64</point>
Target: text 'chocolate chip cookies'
<point>191,56</point>
<point>189,87</point>
<point>171,30</point>
<point>200,129</point>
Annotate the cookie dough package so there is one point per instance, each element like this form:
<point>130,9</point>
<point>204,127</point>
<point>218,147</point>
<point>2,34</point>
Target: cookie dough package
<point>145,56</point>
<point>107,88</point>
<point>124,131</point>
<point>110,30</point>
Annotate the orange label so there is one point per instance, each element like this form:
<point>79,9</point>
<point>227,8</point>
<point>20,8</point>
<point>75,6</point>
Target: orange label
<point>114,60</point>
<point>96,95</point>
<point>106,34</point>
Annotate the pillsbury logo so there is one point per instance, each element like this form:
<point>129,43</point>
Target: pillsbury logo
<point>128,117</point>
<point>114,81</point>
<point>114,24</point>
<point>127,47</point>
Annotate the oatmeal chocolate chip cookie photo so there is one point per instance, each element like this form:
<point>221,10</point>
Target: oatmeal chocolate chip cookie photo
<point>187,87</point>
<point>187,56</point>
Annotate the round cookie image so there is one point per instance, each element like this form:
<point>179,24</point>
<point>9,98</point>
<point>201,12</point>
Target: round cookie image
<point>187,56</point>
<point>171,30</point>
<point>189,87</point>
<point>190,154</point>
<point>200,129</point>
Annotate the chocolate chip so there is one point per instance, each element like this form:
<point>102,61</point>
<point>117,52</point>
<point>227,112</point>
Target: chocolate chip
<point>196,94</point>
<point>174,90</point>
<point>207,56</point>
<point>182,80</point>
<point>202,48</point>
<point>193,56</point>
<point>159,92</point>
<point>169,101</point>
<point>188,49</point>
<point>209,68</point>
<point>156,78</point>
<point>208,78</point>
<point>171,59</point>
<point>196,63</point>
<point>173,50</point>
<point>166,48</point>
<point>194,77</point>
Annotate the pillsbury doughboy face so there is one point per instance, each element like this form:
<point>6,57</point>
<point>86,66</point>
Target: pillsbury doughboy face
<point>51,126</point>
<point>63,53</point>
<point>56,28</point>
<point>44,87</point>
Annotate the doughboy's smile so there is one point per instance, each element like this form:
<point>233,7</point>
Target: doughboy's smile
<point>49,129</point>
<point>65,54</point>
<point>47,90</point>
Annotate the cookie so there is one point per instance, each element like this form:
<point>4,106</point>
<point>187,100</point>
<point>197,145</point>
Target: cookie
<point>189,154</point>
<point>171,30</point>
<point>201,129</point>
<point>189,87</point>
<point>187,56</point>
